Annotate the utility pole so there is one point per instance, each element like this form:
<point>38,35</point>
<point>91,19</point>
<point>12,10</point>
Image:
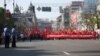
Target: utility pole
<point>14,6</point>
<point>5,4</point>
<point>98,18</point>
<point>5,9</point>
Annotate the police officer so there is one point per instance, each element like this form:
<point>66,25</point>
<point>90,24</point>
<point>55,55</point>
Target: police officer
<point>7,33</point>
<point>14,35</point>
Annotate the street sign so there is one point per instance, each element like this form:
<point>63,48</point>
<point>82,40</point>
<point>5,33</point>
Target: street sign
<point>39,8</point>
<point>46,9</point>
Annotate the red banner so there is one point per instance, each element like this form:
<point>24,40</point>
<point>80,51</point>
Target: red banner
<point>74,19</point>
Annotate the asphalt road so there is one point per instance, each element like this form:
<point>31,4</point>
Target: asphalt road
<point>54,48</point>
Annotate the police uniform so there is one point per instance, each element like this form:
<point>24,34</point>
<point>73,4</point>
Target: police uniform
<point>14,34</point>
<point>7,33</point>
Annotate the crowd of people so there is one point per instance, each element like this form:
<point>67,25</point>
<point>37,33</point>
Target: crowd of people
<point>11,35</point>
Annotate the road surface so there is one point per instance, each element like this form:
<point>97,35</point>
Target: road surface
<point>54,48</point>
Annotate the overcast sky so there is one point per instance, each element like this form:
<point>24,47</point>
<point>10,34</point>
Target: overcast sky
<point>39,3</point>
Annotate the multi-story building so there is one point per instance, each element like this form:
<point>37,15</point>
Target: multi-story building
<point>66,17</point>
<point>98,6</point>
<point>76,5</point>
<point>63,19</point>
<point>98,14</point>
<point>62,26</point>
<point>90,6</point>
<point>75,11</point>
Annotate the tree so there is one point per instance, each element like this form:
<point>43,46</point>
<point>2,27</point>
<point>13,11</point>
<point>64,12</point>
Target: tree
<point>9,19</point>
<point>90,20</point>
<point>5,18</point>
<point>98,21</point>
<point>2,20</point>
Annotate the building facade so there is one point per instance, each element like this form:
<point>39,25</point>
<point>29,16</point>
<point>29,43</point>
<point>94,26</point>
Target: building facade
<point>67,17</point>
<point>90,6</point>
<point>62,26</point>
<point>98,6</point>
<point>59,21</point>
<point>98,13</point>
<point>76,5</point>
<point>75,14</point>
<point>25,20</point>
<point>43,24</point>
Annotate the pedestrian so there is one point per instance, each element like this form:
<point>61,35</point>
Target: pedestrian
<point>6,34</point>
<point>22,36</point>
<point>31,37</point>
<point>14,36</point>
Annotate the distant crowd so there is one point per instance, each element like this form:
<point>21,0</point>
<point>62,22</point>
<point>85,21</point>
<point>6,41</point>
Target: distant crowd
<point>11,35</point>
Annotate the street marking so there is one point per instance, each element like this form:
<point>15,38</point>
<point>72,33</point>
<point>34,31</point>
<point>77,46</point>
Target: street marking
<point>66,53</point>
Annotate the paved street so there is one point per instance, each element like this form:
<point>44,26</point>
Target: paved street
<point>54,48</point>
